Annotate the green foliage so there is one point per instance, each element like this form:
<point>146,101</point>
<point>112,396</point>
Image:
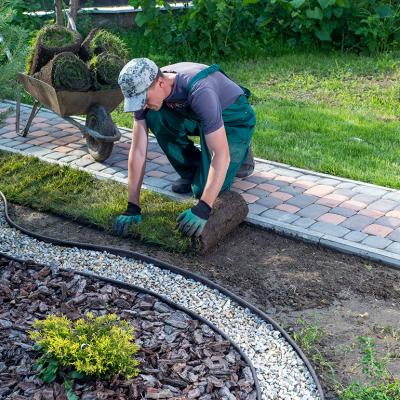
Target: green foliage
<point>14,46</point>
<point>382,386</point>
<point>220,27</point>
<point>91,347</point>
<point>21,7</point>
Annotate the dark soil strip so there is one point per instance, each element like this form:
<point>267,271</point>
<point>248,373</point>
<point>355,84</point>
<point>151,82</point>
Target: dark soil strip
<point>180,357</point>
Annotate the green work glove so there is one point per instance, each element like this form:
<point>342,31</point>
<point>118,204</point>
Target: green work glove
<point>192,221</point>
<point>131,216</point>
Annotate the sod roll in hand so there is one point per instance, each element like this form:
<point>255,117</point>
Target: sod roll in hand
<point>105,69</point>
<point>66,72</point>
<point>50,41</point>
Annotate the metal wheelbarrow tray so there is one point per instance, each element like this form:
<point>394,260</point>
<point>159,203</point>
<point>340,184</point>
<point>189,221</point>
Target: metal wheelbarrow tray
<point>99,130</point>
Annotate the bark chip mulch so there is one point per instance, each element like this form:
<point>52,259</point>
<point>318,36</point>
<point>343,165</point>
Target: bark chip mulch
<point>180,357</point>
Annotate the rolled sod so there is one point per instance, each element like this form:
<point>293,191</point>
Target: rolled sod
<point>50,41</point>
<point>105,69</point>
<point>66,72</point>
<point>229,210</point>
<point>104,41</point>
<point>85,52</point>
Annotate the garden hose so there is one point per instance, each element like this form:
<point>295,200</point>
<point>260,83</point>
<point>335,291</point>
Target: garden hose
<point>179,271</point>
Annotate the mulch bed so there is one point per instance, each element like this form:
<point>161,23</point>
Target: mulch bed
<point>180,357</point>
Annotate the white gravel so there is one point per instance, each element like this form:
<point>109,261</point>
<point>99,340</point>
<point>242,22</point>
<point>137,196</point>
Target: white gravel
<point>282,374</point>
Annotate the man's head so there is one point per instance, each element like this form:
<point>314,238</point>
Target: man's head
<point>142,84</point>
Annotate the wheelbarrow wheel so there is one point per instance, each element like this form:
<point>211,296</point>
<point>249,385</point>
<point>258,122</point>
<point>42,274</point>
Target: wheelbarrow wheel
<point>99,120</point>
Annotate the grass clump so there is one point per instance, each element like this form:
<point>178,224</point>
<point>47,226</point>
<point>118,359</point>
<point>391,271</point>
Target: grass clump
<point>76,194</point>
<point>104,41</point>
<point>106,68</point>
<point>91,347</point>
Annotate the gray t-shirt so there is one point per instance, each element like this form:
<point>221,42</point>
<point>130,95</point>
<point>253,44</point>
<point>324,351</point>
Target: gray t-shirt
<point>207,99</point>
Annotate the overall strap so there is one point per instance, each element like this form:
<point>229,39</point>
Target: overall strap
<point>208,71</point>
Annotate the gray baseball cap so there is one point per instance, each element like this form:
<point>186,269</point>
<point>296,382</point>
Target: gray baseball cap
<point>134,79</point>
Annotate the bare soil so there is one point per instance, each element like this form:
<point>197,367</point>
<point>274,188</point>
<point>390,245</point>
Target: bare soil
<point>291,281</point>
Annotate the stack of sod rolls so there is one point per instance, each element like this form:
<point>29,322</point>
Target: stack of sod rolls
<point>62,60</point>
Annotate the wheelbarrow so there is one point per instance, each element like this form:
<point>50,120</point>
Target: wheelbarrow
<point>99,130</point>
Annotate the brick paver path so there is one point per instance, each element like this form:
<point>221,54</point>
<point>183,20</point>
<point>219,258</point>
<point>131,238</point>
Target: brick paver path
<point>350,216</point>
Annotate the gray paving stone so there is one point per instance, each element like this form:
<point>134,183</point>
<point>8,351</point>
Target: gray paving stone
<point>345,212</point>
<point>256,209</point>
<point>172,177</point>
<point>392,196</point>
<point>55,156</point>
<point>255,179</point>
<point>280,216</point>
<point>168,168</point>
<point>345,192</point>
<point>391,222</point>
<point>154,147</point>
<point>304,222</point>
<point>394,248</point>
<point>96,166</point>
<point>111,171</point>
<point>302,200</point>
<point>69,159</point>
<point>371,190</point>
<point>83,162</point>
<point>313,211</point>
<point>377,242</point>
<point>328,182</point>
<point>156,182</point>
<point>355,236</point>
<point>365,198</point>
<point>22,146</point>
<point>150,166</point>
<point>38,151</point>
<point>346,185</point>
<point>383,205</point>
<point>293,190</point>
<point>330,229</point>
<point>286,172</point>
<point>260,166</point>
<point>4,142</point>
<point>309,178</point>
<point>121,174</point>
<point>79,153</point>
<point>395,235</point>
<point>258,192</point>
<point>13,143</point>
<point>269,202</point>
<point>50,146</point>
<point>357,222</point>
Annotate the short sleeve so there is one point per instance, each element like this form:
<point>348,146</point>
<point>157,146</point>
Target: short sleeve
<point>140,115</point>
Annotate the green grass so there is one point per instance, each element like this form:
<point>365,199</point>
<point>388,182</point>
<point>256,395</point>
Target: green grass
<point>77,195</point>
<point>325,111</point>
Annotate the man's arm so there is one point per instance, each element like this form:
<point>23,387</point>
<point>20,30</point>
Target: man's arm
<point>137,160</point>
<point>217,144</point>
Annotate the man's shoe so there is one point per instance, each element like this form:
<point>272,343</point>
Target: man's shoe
<point>182,185</point>
<point>247,166</point>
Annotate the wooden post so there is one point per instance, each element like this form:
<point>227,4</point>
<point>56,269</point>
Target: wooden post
<point>58,6</point>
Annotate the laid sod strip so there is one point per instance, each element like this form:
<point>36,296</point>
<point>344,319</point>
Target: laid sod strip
<point>78,195</point>
<point>105,69</point>
<point>66,72</point>
<point>49,41</point>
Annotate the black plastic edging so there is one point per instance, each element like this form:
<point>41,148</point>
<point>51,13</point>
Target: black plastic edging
<point>179,271</point>
<point>129,286</point>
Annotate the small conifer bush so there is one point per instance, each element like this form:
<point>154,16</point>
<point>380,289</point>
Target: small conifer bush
<point>91,347</point>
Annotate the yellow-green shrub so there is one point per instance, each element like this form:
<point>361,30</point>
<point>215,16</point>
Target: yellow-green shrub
<point>92,346</point>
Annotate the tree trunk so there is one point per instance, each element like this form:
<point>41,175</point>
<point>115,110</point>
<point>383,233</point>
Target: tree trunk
<point>58,6</point>
<point>73,4</point>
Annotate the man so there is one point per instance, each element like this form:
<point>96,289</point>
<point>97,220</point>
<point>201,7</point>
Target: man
<point>174,102</point>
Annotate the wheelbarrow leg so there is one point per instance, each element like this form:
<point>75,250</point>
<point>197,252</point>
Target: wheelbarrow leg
<point>35,109</point>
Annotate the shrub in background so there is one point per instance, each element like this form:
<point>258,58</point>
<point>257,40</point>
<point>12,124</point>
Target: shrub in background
<point>90,347</point>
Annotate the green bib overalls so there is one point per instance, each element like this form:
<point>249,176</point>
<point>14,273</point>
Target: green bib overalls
<point>171,129</point>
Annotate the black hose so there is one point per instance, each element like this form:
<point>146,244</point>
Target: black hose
<point>179,271</point>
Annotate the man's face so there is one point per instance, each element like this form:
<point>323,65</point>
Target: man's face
<point>155,96</point>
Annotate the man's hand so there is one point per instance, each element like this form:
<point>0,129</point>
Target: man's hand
<point>132,216</point>
<point>192,221</point>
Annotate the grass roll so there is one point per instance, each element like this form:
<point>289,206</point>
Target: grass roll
<point>105,69</point>
<point>104,41</point>
<point>66,72</point>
